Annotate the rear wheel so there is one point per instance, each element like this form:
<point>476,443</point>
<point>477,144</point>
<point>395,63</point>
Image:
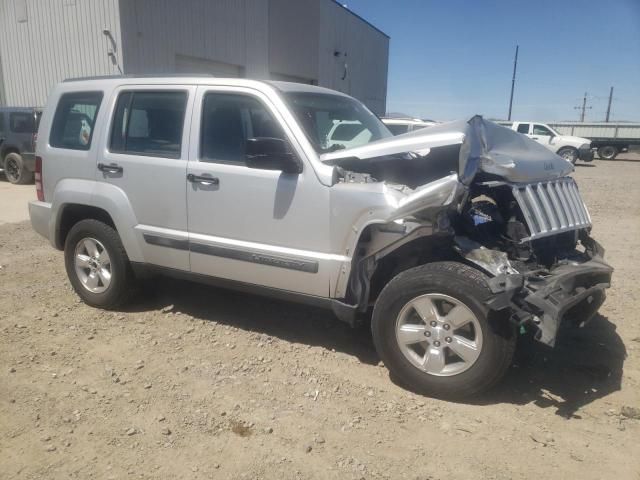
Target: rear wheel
<point>608,152</point>
<point>15,171</point>
<point>97,265</point>
<point>569,153</point>
<point>435,334</point>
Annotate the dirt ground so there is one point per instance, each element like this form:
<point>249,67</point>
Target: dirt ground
<point>232,386</point>
<point>14,200</point>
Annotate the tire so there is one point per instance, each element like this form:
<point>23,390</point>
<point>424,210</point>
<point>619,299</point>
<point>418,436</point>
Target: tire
<point>440,282</point>
<point>608,152</point>
<point>569,153</point>
<point>15,171</point>
<point>111,291</point>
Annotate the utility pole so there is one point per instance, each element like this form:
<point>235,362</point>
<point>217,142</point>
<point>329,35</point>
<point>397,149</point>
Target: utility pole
<point>583,108</point>
<point>513,80</point>
<point>609,105</point>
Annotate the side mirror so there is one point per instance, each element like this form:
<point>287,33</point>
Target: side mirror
<point>268,153</point>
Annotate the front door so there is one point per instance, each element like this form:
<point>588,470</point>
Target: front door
<point>251,225</point>
<point>541,134</point>
<point>145,154</point>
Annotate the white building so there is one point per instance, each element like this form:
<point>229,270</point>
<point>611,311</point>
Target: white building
<point>312,41</point>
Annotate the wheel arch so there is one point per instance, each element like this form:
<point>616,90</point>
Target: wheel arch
<point>72,213</point>
<point>371,270</point>
<point>566,146</point>
<point>6,150</point>
<point>77,199</point>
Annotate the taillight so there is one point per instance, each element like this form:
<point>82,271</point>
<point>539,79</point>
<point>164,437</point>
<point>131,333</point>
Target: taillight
<point>38,178</point>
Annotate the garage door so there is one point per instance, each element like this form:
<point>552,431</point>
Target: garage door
<point>187,64</point>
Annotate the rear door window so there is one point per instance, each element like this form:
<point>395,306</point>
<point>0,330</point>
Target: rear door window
<point>74,120</point>
<point>22,122</point>
<point>523,128</point>
<point>149,123</point>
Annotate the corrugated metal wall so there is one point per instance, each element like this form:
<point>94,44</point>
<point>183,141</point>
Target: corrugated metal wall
<point>347,40</point>
<point>598,129</point>
<point>294,33</point>
<point>45,41</point>
<point>233,33</point>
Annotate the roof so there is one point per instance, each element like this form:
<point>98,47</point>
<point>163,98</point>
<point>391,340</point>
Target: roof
<point>396,120</point>
<point>203,79</point>
<point>301,87</point>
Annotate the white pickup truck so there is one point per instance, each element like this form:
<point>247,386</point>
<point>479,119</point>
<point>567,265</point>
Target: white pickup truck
<point>568,147</point>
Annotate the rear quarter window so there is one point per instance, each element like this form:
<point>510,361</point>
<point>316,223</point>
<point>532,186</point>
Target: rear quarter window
<point>22,122</point>
<point>74,120</point>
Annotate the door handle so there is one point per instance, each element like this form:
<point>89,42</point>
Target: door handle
<point>202,179</point>
<point>534,138</point>
<point>111,168</point>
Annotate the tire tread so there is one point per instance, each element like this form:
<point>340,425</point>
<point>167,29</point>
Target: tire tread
<point>453,274</point>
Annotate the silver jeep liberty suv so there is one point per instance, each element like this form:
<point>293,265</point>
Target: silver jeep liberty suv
<point>450,239</point>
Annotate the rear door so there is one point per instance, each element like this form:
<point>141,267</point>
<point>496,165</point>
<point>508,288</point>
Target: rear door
<point>144,153</point>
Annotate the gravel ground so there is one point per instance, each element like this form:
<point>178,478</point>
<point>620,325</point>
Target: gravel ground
<point>223,385</point>
<point>14,201</point>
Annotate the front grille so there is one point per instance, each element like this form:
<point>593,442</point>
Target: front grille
<point>551,207</point>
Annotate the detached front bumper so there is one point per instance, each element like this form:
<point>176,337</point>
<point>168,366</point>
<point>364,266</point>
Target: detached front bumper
<point>585,153</point>
<point>544,299</point>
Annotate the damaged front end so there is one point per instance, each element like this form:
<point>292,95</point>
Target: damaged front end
<point>541,297</point>
<point>483,194</point>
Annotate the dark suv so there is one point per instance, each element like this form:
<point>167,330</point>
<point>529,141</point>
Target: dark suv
<point>18,131</point>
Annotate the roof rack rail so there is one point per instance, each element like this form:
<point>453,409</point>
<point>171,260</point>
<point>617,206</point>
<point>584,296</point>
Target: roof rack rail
<point>141,75</point>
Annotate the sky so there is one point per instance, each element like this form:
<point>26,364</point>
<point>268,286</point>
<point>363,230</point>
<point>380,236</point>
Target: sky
<point>450,59</point>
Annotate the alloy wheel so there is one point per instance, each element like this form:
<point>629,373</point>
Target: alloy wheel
<point>92,265</point>
<point>439,334</point>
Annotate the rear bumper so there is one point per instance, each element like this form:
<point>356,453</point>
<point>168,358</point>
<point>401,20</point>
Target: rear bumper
<point>40,215</point>
<point>543,301</point>
<point>585,154</point>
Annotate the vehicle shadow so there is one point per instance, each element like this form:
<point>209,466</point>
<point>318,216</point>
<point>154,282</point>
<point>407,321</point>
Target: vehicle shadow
<point>587,165</point>
<point>621,159</point>
<point>586,365</point>
<point>287,321</point>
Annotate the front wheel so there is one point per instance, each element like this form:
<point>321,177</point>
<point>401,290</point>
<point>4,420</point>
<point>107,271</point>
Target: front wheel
<point>435,334</point>
<point>569,153</point>
<point>97,264</point>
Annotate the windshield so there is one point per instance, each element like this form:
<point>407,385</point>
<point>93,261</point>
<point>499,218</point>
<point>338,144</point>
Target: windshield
<point>334,122</point>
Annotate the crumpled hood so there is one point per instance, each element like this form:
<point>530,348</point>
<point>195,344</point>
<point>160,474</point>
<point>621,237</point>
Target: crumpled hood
<point>484,146</point>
